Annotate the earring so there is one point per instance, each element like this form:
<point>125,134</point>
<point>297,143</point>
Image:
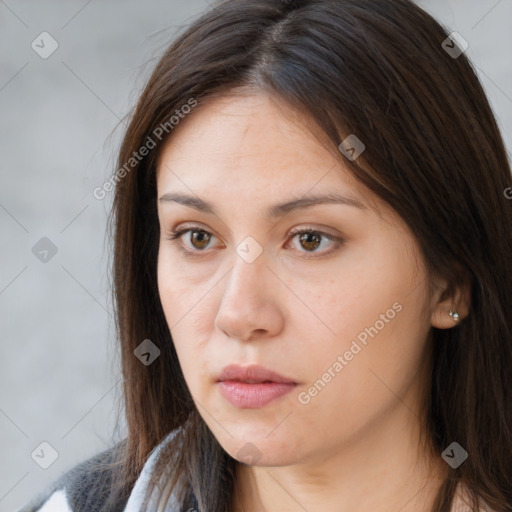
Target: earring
<point>454,315</point>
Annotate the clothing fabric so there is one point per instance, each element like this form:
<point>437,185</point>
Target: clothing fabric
<point>79,488</point>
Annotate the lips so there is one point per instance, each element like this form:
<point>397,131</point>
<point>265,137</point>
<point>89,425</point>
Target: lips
<point>252,375</point>
<point>252,387</point>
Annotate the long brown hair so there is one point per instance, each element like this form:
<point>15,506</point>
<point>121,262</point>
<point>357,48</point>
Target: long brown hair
<point>377,69</point>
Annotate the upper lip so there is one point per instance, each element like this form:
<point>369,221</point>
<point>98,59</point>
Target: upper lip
<point>251,373</point>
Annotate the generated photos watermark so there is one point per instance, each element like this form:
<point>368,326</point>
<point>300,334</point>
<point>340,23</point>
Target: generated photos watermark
<point>150,142</point>
<point>305,397</point>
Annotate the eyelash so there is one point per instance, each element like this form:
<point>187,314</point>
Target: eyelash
<point>178,233</point>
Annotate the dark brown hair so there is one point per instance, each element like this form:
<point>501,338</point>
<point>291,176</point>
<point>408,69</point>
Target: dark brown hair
<point>377,69</point>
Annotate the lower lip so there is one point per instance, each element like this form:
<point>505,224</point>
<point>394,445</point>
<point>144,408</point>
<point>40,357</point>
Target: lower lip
<point>253,396</point>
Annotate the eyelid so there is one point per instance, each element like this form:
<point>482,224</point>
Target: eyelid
<point>181,229</point>
<point>334,239</point>
<point>177,233</point>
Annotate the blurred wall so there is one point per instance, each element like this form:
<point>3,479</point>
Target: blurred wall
<point>69,73</point>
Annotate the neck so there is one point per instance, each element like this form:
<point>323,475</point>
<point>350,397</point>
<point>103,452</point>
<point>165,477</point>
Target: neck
<point>384,469</point>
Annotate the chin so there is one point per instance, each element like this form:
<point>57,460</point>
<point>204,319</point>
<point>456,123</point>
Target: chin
<point>259,449</point>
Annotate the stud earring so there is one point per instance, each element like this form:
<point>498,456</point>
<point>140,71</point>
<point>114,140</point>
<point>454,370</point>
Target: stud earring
<point>454,315</point>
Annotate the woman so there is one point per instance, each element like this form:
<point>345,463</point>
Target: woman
<point>312,241</point>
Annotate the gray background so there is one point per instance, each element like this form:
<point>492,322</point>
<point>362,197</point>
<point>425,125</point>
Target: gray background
<point>60,125</point>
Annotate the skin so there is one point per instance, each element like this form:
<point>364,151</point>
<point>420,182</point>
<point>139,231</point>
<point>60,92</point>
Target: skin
<point>294,309</point>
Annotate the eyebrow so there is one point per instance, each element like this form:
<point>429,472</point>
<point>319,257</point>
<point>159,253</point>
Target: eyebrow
<point>274,211</point>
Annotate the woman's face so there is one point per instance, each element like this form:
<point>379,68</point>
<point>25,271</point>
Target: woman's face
<point>343,312</point>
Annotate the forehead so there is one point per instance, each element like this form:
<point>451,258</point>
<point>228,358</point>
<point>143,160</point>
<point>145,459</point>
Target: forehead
<point>250,138</point>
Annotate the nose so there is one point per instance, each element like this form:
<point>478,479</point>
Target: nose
<point>250,305</point>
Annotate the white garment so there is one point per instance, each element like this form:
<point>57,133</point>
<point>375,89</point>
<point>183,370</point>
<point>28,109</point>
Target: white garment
<point>139,490</point>
<point>57,502</point>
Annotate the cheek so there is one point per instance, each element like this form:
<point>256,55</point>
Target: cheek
<point>179,294</point>
<point>175,310</point>
<point>184,307</point>
<point>353,384</point>
<point>371,318</point>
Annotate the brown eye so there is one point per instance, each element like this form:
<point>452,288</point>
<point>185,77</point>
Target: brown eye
<point>200,239</point>
<point>310,240</point>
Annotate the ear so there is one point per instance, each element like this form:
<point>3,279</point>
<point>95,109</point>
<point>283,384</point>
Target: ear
<point>448,298</point>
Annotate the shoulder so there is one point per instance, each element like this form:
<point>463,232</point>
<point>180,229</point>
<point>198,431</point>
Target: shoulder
<point>84,487</point>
